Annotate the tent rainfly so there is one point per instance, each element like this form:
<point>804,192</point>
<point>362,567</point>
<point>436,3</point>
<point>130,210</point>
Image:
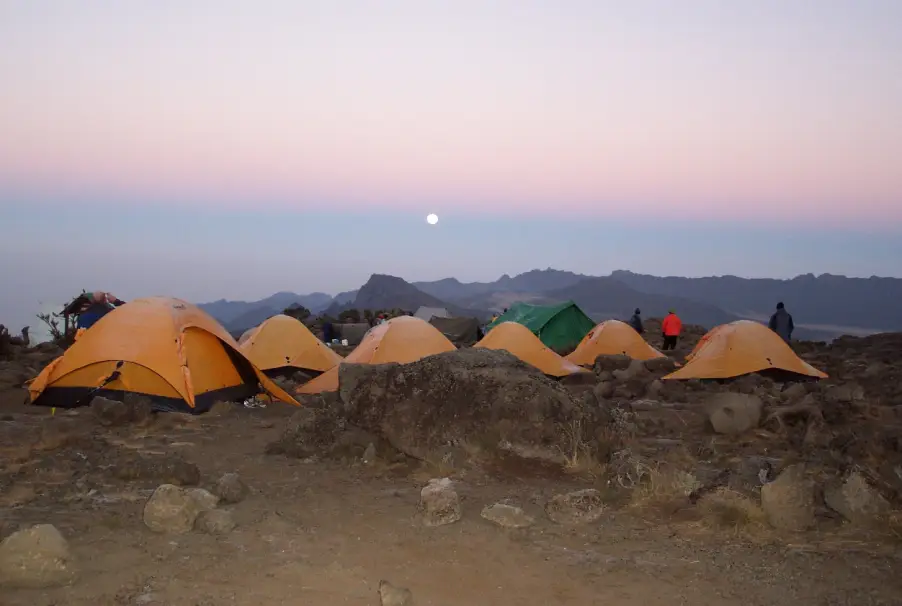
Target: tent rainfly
<point>560,327</point>
<point>283,343</point>
<point>402,340</point>
<point>611,338</point>
<point>519,341</point>
<point>739,348</point>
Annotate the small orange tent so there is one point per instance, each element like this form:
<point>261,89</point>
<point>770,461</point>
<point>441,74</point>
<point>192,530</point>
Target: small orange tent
<point>740,348</point>
<point>282,343</point>
<point>611,338</point>
<point>519,340</point>
<point>164,348</point>
<point>403,340</point>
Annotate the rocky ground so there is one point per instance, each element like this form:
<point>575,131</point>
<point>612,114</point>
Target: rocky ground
<point>467,478</point>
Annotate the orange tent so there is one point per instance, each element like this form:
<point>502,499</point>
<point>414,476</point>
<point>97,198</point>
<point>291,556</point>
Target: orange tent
<point>740,348</point>
<point>403,340</point>
<point>519,340</point>
<point>283,342</point>
<point>164,348</point>
<point>611,338</point>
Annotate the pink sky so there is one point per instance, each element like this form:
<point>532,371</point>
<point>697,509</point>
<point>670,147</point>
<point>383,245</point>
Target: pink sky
<point>583,107</point>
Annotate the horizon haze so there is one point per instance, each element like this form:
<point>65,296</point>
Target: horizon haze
<point>228,149</point>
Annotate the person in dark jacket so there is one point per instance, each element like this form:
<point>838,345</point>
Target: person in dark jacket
<point>636,322</point>
<point>328,332</point>
<point>781,323</point>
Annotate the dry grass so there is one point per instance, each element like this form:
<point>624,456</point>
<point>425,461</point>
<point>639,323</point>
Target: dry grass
<point>663,486</point>
<point>725,508</point>
<point>578,455</point>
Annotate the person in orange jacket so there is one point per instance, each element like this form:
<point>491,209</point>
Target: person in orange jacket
<point>671,327</point>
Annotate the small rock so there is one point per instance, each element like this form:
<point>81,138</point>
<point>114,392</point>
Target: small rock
<point>579,507</point>
<point>748,474</point>
<point>604,390</point>
<point>141,407</point>
<point>171,510</point>
<point>655,388</point>
<point>205,500</point>
<point>221,409</point>
<point>733,413</point>
<point>661,365</point>
<point>635,369</point>
<point>855,499</point>
<point>788,501</point>
<point>794,391</point>
<point>507,516</point>
<point>11,378</point>
<point>610,363</point>
<point>369,454</point>
<point>389,595</point>
<point>845,394</point>
<point>231,488</point>
<point>439,503</point>
<point>215,521</point>
<point>605,376</point>
<point>36,557</point>
<point>16,495</point>
<point>168,469</point>
<point>286,383</point>
<point>113,413</point>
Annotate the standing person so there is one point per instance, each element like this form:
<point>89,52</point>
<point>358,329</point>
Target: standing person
<point>672,326</point>
<point>328,332</point>
<point>781,322</point>
<point>636,322</point>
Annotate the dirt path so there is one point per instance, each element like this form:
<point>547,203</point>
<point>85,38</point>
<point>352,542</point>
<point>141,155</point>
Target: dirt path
<point>326,533</point>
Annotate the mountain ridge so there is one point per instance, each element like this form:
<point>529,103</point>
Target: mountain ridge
<point>822,304</point>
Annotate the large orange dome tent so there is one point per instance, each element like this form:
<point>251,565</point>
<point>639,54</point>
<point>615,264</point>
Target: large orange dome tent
<point>740,348</point>
<point>402,340</point>
<point>521,342</point>
<point>610,338</point>
<point>284,343</point>
<point>164,348</point>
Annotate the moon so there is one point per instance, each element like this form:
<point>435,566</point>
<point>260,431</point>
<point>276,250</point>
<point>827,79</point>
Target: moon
<point>432,218</point>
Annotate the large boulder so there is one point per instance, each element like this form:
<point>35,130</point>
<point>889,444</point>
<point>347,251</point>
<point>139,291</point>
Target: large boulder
<point>173,510</point>
<point>854,499</point>
<point>788,501</point>
<point>36,557</point>
<point>734,413</point>
<point>479,397</point>
<point>313,429</point>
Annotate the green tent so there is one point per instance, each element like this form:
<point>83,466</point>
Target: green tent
<point>560,327</point>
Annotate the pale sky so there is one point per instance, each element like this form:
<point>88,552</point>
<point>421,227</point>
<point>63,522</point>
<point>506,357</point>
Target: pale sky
<point>234,149</point>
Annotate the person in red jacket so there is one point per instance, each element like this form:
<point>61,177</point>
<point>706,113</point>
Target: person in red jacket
<point>671,327</point>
